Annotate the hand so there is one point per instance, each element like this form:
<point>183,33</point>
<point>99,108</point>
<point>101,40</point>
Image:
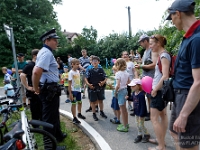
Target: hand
<point>153,93</point>
<point>137,66</point>
<point>126,97</point>
<point>37,90</point>
<point>115,94</point>
<point>179,124</point>
<point>30,88</point>
<point>90,86</point>
<point>101,83</point>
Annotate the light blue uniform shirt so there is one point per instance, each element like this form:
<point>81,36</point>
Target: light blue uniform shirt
<point>47,62</point>
<point>9,92</point>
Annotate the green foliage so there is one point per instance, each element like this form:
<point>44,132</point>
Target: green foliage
<point>29,21</point>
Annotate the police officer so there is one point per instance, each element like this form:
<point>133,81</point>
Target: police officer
<point>45,83</point>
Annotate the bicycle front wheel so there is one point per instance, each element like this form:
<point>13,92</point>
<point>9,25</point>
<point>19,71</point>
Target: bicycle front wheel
<point>43,140</point>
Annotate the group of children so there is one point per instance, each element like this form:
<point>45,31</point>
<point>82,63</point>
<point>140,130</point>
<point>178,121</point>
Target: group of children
<point>96,82</point>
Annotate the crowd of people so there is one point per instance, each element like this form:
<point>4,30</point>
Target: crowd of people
<point>40,78</point>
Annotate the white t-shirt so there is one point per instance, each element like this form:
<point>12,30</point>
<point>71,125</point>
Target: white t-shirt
<point>74,76</point>
<point>129,69</point>
<point>123,77</point>
<point>158,74</point>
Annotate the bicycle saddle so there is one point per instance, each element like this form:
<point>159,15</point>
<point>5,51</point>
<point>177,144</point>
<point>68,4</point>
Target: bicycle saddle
<point>16,132</point>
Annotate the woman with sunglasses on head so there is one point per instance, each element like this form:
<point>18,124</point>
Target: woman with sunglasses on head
<point>158,107</point>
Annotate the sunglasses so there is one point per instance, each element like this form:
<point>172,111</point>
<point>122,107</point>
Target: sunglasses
<point>154,37</point>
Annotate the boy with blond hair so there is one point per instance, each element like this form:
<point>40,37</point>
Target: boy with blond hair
<point>75,90</point>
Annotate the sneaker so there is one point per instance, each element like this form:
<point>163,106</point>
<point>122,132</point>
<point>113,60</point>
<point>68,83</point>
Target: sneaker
<point>89,109</point>
<point>102,114</point>
<point>132,114</point>
<point>122,125</point>
<point>81,116</point>
<point>67,101</point>
<point>138,139</point>
<point>97,109</point>
<point>83,97</point>
<point>115,121</point>
<point>145,138</point>
<point>130,107</point>
<point>122,129</point>
<point>95,117</point>
<point>76,121</point>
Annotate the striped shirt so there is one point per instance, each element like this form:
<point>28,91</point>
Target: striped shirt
<point>84,61</point>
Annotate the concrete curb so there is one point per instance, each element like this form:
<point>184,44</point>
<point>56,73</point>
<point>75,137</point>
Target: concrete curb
<point>90,131</point>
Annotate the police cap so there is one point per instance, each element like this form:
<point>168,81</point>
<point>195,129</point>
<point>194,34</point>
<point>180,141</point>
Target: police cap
<point>49,34</point>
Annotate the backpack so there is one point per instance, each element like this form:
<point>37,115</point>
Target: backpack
<point>172,64</point>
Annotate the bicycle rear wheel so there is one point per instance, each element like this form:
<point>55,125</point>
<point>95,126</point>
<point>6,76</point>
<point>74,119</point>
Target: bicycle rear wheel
<point>43,139</point>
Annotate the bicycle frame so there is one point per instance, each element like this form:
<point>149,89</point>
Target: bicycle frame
<point>27,137</point>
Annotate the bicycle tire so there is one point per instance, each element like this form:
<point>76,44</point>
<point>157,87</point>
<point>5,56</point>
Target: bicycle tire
<point>49,141</point>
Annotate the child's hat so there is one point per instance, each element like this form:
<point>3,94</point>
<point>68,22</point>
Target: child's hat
<point>135,82</point>
<point>7,81</point>
<point>65,67</point>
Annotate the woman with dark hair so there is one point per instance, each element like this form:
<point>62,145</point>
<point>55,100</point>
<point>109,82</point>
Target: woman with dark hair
<point>158,107</point>
<point>60,65</point>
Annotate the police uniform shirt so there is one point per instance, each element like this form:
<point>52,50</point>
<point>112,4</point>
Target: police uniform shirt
<point>47,62</point>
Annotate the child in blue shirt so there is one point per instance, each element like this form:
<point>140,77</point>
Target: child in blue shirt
<point>9,91</point>
<point>114,104</point>
<point>140,110</point>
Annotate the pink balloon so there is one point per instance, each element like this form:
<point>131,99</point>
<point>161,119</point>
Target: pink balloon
<point>147,84</point>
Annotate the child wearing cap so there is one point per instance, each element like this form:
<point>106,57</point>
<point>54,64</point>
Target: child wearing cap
<point>9,91</point>
<point>140,110</point>
<point>64,77</point>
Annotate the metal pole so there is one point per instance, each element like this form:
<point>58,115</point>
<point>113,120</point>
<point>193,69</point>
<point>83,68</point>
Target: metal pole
<point>129,20</point>
<point>14,56</point>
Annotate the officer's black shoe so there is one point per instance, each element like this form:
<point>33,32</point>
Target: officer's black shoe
<point>95,117</point>
<point>61,148</point>
<point>138,139</point>
<point>102,114</point>
<point>63,136</point>
<point>81,116</point>
<point>89,110</point>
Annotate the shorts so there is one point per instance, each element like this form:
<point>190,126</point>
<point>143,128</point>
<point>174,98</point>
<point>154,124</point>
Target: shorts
<point>115,104</point>
<point>121,96</point>
<point>76,96</point>
<point>191,137</point>
<point>157,102</point>
<point>95,95</point>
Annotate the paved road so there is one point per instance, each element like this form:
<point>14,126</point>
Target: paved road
<point>116,140</point>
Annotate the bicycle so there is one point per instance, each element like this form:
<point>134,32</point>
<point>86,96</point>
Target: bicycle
<point>32,137</point>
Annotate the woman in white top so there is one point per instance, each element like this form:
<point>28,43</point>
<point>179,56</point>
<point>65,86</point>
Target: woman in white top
<point>132,74</point>
<point>158,107</point>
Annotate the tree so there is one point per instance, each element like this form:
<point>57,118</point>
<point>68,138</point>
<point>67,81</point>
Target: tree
<point>29,21</point>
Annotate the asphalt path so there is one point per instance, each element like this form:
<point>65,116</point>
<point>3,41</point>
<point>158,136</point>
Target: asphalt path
<point>116,140</point>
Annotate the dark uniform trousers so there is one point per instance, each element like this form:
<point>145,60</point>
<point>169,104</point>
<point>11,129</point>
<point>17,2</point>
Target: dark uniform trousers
<point>36,107</point>
<point>50,114</point>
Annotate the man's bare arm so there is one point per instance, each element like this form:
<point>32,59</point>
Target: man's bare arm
<point>24,82</point>
<point>37,73</point>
